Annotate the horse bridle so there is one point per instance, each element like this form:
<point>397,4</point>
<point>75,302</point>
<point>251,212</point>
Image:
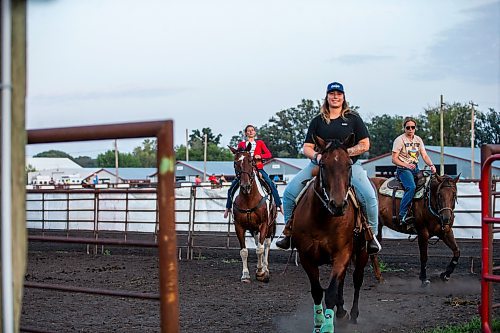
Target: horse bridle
<point>438,201</point>
<point>324,197</point>
<point>250,174</point>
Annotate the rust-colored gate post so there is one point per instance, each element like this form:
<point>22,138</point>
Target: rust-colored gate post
<point>167,242</point>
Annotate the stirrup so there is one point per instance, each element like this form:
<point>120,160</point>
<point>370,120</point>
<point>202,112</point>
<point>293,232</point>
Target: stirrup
<point>373,246</point>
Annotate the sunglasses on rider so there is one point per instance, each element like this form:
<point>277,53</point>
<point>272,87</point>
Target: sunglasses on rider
<point>410,127</point>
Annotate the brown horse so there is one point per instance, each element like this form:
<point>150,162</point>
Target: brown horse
<point>325,232</point>
<point>433,215</point>
<point>253,210</point>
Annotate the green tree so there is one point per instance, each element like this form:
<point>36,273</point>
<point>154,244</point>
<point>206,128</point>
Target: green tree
<point>487,128</point>
<point>54,153</point>
<point>383,130</point>
<point>456,124</point>
<point>146,154</point>
<point>236,139</point>
<point>286,131</point>
<point>29,168</point>
<point>197,135</point>
<point>125,160</point>
<point>197,145</point>
<point>86,161</point>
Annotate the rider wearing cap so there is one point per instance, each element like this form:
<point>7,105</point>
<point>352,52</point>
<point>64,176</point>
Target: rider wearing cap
<point>336,121</point>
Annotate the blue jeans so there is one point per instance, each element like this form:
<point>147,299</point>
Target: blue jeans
<point>235,184</point>
<point>405,176</point>
<point>364,190</point>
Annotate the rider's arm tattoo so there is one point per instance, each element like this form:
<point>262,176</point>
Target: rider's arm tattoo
<point>358,149</point>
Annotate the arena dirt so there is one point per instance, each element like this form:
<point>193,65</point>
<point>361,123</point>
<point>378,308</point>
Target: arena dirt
<point>212,298</point>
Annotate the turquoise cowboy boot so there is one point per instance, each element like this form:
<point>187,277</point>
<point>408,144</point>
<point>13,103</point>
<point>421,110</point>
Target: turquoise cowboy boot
<point>319,318</point>
<point>329,323</point>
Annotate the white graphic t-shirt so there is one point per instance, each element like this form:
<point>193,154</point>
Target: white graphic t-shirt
<point>409,149</point>
<point>254,144</point>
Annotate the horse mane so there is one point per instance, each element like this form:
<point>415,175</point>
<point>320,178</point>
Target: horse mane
<point>333,144</point>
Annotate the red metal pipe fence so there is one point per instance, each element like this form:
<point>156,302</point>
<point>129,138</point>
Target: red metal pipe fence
<point>488,222</point>
<point>167,241</point>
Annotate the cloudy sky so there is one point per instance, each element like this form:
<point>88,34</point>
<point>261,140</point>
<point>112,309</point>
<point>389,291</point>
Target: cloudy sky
<point>226,63</point>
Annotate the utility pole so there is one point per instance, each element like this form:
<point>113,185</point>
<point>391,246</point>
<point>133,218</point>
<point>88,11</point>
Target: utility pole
<point>472,105</point>
<point>116,161</point>
<point>205,159</point>
<point>187,146</point>
<point>441,126</point>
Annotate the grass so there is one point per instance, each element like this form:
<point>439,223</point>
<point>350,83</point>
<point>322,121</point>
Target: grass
<point>230,261</point>
<point>384,267</point>
<point>474,326</point>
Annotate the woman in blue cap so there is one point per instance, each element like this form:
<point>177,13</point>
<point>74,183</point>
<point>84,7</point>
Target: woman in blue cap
<point>336,121</point>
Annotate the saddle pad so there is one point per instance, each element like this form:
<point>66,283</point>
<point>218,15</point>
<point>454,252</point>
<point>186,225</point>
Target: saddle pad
<point>308,182</point>
<point>387,191</point>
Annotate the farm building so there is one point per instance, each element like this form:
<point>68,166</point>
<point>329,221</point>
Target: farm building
<point>187,171</point>
<point>457,160</point>
<point>49,163</point>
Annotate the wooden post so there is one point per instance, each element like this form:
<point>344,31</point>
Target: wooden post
<point>472,105</point>
<point>17,154</point>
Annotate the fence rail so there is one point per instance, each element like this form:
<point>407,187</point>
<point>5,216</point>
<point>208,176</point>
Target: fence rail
<point>128,212</point>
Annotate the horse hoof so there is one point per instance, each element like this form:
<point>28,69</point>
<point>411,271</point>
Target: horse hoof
<point>444,277</point>
<point>263,278</point>
<point>245,280</point>
<point>343,318</point>
<point>425,283</point>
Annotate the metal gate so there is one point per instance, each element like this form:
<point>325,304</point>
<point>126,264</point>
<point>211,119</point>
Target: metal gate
<point>167,240</point>
<point>489,154</point>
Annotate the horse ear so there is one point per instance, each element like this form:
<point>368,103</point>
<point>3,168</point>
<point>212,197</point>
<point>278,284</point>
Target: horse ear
<point>319,142</point>
<point>249,147</point>
<point>438,177</point>
<point>455,180</point>
<point>349,141</point>
<point>234,151</point>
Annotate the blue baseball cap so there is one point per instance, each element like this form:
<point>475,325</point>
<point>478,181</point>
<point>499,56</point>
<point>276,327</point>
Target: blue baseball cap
<point>335,86</point>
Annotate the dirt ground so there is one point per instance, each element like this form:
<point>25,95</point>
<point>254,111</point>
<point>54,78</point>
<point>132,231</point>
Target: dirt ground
<point>212,298</point>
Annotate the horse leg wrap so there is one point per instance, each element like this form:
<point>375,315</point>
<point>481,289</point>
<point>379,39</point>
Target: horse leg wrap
<point>319,317</point>
<point>329,323</point>
<point>445,276</point>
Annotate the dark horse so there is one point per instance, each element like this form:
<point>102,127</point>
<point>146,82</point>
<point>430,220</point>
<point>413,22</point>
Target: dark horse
<point>324,231</point>
<point>433,217</point>
<point>253,210</point>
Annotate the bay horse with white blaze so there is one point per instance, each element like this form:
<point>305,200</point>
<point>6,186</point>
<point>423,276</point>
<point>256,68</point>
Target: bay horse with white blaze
<point>325,232</point>
<point>433,216</point>
<point>253,210</point>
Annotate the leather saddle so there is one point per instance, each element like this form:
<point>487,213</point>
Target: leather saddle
<point>392,187</point>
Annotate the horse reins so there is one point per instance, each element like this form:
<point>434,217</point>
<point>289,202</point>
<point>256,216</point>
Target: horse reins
<point>252,176</point>
<point>438,191</point>
<point>325,199</point>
